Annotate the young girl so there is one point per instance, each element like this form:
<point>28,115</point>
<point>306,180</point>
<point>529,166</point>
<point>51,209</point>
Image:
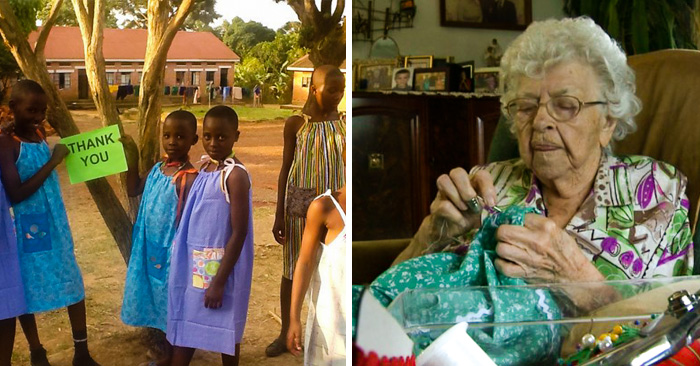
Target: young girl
<point>11,288</point>
<point>49,270</point>
<point>212,259</point>
<point>324,343</point>
<point>164,193</point>
<point>311,165</point>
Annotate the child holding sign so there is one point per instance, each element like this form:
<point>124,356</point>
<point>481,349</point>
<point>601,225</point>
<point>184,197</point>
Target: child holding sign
<point>49,270</point>
<point>212,259</point>
<point>164,193</point>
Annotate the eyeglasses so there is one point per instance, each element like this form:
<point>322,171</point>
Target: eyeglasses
<point>562,108</point>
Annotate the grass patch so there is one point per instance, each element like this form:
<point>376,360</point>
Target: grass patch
<point>244,113</point>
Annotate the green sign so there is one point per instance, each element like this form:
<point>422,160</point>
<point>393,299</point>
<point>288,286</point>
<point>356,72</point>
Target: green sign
<point>94,154</point>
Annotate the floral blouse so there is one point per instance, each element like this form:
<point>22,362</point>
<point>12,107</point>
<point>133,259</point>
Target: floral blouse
<point>634,223</point>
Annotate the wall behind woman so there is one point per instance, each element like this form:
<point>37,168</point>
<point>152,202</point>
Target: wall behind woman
<point>427,37</point>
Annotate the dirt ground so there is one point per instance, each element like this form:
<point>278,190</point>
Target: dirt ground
<point>112,342</point>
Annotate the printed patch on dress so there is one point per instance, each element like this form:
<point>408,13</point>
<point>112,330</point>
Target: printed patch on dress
<point>205,265</point>
<point>36,232</point>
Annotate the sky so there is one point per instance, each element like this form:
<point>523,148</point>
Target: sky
<point>267,12</point>
<point>270,14</point>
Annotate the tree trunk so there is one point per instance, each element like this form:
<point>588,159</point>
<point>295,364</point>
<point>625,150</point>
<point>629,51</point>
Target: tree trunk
<point>323,30</point>
<point>61,120</point>
<point>161,32</point>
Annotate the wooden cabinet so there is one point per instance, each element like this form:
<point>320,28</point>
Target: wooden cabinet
<point>401,144</point>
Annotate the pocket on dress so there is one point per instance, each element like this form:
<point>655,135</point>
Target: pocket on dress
<point>205,265</point>
<point>298,200</point>
<point>36,232</point>
<point>156,260</point>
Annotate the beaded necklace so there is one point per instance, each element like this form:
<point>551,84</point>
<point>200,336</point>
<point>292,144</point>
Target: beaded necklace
<point>168,164</point>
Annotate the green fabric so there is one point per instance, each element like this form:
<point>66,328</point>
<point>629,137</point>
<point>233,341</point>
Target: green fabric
<point>504,146</point>
<point>506,345</point>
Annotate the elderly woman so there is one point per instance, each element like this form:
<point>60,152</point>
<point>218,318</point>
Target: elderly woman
<point>569,93</point>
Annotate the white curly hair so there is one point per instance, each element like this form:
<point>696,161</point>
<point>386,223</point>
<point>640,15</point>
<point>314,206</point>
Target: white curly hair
<point>548,43</point>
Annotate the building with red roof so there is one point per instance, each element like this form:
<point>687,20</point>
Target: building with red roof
<point>194,59</point>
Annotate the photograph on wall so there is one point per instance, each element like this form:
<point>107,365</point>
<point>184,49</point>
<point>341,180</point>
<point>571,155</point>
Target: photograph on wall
<point>430,80</point>
<point>402,79</point>
<point>493,14</point>
<point>487,80</point>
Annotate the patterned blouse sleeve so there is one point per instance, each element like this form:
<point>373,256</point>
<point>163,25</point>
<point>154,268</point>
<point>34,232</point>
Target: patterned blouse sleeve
<point>674,256</point>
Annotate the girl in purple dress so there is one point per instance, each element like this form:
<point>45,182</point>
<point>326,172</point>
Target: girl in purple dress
<point>212,259</point>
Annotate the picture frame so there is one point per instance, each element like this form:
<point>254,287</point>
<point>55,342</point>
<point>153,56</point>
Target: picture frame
<point>418,62</point>
<point>435,79</point>
<point>490,14</point>
<point>466,77</point>
<point>402,79</point>
<point>488,80</point>
<point>375,75</point>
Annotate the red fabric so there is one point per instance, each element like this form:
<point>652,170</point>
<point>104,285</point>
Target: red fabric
<point>684,357</point>
<point>372,359</point>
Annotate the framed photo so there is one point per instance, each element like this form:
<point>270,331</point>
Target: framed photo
<point>402,79</point>
<point>435,79</point>
<point>492,14</point>
<point>487,80</point>
<point>375,75</point>
<point>418,62</point>
<point>466,77</point>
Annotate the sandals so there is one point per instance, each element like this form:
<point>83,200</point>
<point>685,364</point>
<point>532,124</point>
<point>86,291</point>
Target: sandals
<point>276,348</point>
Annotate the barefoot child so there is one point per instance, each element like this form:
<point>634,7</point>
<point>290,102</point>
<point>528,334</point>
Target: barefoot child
<point>324,235</point>
<point>311,165</point>
<point>164,193</point>
<point>212,259</point>
<point>50,273</point>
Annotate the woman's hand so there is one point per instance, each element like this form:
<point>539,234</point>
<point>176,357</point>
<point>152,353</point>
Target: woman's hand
<point>214,295</point>
<point>294,337</point>
<point>539,251</point>
<point>450,214</point>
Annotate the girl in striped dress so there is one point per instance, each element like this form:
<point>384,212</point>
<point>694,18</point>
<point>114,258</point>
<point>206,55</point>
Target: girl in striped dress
<point>312,164</point>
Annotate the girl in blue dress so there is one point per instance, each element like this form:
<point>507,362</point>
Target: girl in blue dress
<point>49,271</point>
<point>163,191</point>
<point>212,260</point>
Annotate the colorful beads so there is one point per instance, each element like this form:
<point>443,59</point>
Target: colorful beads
<point>617,329</point>
<point>588,341</point>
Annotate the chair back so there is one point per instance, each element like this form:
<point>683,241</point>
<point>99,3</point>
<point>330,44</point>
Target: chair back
<point>668,127</point>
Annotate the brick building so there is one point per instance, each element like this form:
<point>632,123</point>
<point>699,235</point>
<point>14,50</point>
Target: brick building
<point>302,69</point>
<point>194,59</point>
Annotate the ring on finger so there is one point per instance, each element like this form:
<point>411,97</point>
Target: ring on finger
<point>474,205</point>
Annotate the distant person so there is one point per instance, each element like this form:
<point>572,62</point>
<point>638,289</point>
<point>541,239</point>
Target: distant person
<point>401,79</point>
<point>257,96</point>
<point>321,270</point>
<point>501,11</point>
<point>312,164</point>
<point>212,258</point>
<point>163,194</point>
<point>50,273</point>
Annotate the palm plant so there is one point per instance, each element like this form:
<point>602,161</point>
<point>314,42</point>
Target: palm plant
<point>643,25</point>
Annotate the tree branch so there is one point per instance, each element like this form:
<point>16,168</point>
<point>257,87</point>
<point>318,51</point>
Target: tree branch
<point>45,29</point>
<point>338,13</point>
